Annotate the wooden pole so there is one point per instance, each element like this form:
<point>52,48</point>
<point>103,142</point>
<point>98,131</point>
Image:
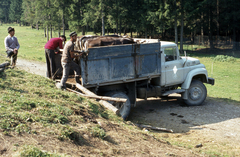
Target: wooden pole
<point>84,90</point>
<point>99,97</point>
<point>3,65</point>
<point>154,128</point>
<point>102,102</point>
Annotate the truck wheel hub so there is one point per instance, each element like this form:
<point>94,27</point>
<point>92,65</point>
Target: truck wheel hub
<point>195,93</point>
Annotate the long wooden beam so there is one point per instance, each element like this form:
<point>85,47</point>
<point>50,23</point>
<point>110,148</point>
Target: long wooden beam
<point>102,102</point>
<point>3,65</point>
<point>99,97</point>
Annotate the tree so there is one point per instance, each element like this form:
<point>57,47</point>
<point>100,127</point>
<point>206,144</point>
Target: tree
<point>4,10</point>
<point>15,10</point>
<point>75,12</point>
<point>29,11</point>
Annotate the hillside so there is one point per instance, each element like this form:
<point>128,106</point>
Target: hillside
<point>36,118</point>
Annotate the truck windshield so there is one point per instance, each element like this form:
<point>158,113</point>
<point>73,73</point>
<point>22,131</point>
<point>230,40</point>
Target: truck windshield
<point>170,54</point>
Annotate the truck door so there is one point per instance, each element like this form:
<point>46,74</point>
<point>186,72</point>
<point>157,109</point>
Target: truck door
<point>173,66</point>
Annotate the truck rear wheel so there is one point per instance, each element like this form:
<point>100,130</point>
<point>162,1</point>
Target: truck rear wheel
<point>197,93</point>
<point>123,107</point>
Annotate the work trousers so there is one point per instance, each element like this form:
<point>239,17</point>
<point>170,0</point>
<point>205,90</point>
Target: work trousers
<point>50,60</point>
<point>66,68</point>
<point>13,57</point>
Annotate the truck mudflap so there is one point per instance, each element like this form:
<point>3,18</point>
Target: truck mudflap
<point>211,81</point>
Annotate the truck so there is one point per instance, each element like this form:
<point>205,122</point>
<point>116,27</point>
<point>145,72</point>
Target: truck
<point>149,68</point>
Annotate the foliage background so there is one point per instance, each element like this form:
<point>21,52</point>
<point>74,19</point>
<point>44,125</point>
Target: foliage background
<point>165,19</point>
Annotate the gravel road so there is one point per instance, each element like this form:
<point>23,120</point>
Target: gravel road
<point>34,67</point>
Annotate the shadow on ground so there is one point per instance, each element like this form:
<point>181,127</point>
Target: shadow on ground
<point>172,113</point>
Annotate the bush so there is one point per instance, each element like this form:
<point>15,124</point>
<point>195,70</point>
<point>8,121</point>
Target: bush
<point>224,58</point>
<point>97,131</point>
<point>31,151</point>
<point>68,133</point>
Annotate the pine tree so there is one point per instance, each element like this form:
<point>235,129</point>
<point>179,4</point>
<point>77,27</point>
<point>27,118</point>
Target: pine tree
<point>15,11</point>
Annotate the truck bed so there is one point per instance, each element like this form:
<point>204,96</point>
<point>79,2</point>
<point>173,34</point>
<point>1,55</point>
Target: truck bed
<point>121,63</point>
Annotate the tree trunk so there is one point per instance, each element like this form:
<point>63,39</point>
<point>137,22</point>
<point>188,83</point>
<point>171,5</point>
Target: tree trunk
<point>81,15</point>
<point>202,33</point>
<point>234,39</point>
<point>47,33</point>
<point>6,15</point>
<point>59,33</point>
<point>50,31</point>
<point>117,18</point>
<point>182,25</point>
<point>103,27</point>
<point>210,37</point>
<point>63,25</point>
<point>218,29</point>
<point>37,26</point>
<point>120,27</point>
<point>175,23</point>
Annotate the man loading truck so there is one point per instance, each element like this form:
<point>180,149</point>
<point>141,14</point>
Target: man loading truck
<point>52,47</point>
<point>67,61</point>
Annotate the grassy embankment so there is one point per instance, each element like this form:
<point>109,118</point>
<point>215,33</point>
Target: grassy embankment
<point>30,105</point>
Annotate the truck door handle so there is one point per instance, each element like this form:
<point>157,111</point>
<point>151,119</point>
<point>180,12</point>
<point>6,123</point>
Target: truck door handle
<point>166,66</point>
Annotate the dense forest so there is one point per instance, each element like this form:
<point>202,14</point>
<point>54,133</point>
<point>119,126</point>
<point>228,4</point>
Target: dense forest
<point>165,19</point>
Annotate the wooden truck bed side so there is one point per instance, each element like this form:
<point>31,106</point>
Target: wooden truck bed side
<point>120,64</point>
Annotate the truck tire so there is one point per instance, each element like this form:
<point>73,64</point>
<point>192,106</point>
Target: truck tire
<point>123,107</point>
<point>197,93</point>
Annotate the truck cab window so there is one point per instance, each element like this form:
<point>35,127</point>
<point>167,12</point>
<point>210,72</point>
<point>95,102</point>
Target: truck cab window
<point>170,54</point>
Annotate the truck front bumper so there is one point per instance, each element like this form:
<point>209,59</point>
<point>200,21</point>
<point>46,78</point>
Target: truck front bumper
<point>211,81</point>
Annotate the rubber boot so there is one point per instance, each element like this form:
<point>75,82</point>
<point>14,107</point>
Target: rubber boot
<point>77,79</point>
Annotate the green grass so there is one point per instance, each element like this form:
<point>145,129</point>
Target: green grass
<point>32,41</point>
<point>97,131</point>
<point>31,151</point>
<point>26,98</point>
<point>226,75</point>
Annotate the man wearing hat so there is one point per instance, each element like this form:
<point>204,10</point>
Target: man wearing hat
<point>12,46</point>
<point>52,46</point>
<point>68,63</point>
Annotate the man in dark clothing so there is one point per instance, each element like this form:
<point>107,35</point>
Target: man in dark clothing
<point>52,46</point>
<point>12,46</point>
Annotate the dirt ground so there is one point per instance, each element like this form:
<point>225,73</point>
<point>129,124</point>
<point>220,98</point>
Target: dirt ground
<point>214,125</point>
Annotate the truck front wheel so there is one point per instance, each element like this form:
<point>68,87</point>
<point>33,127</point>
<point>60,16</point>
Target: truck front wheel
<point>123,107</point>
<point>197,93</point>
